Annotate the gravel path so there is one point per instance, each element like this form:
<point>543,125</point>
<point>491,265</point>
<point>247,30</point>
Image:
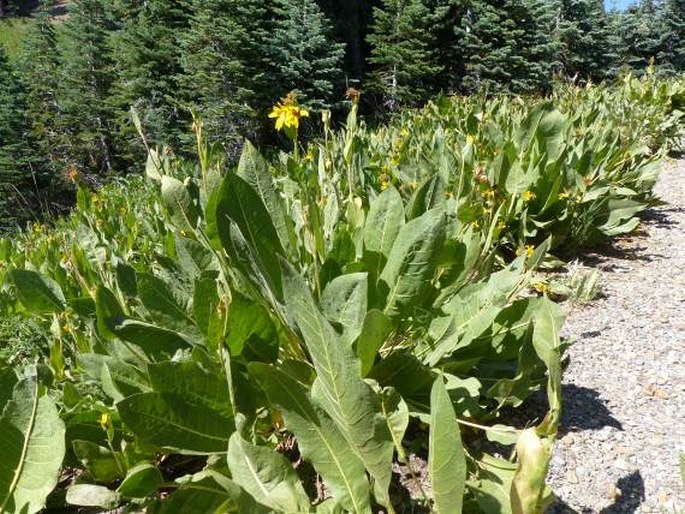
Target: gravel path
<point>623,426</point>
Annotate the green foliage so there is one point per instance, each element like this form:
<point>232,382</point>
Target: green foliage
<point>506,46</point>
<point>403,54</point>
<point>337,309</point>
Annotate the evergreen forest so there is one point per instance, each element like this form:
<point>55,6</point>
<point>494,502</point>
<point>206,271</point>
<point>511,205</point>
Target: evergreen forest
<point>67,83</point>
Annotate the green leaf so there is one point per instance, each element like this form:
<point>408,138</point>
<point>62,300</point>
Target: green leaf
<point>155,341</point>
<point>319,440</point>
<point>446,460</point>
<point>344,301</point>
<point>141,481</point>
<point>266,475</point>
<point>376,329</point>
<point>183,211</point>
<point>106,307</point>
<point>203,384</point>
<point>171,421</point>
<point>338,387</point>
<point>164,308</point>
<point>250,325</point>
<point>430,194</point>
<point>383,223</point>
<point>547,343</point>
<point>39,295</point>
<point>396,415</point>
<point>32,448</point>
<point>254,169</point>
<point>239,203</point>
<point>412,260</point>
<point>87,495</point>
<point>100,462</point>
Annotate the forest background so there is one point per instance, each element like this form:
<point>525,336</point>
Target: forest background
<point>68,82</point>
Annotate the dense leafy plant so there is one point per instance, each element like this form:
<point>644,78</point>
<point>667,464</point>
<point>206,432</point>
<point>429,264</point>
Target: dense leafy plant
<point>276,337</point>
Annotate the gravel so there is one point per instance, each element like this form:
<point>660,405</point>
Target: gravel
<point>623,426</point>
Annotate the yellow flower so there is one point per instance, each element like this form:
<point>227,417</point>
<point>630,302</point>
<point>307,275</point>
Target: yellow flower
<point>288,112</point>
<point>470,139</point>
<point>501,225</point>
<point>528,250</point>
<point>104,420</point>
<point>541,287</point>
<point>563,196</point>
<point>528,196</point>
<point>384,184</point>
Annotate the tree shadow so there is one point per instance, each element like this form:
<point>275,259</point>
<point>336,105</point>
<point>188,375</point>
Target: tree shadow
<point>584,409</point>
<point>632,488</point>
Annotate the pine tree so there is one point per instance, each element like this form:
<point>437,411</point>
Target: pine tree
<point>148,48</point>
<point>303,55</point>
<point>85,88</point>
<point>223,62</point>
<point>642,29</point>
<point>402,53</point>
<point>506,46</point>
<point>674,40</point>
<point>39,65</point>
<point>586,51</point>
<point>15,149</point>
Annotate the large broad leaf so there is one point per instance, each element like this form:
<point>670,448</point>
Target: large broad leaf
<point>446,460</point>
<point>38,294</point>
<point>183,211</point>
<point>189,410</point>
<point>412,260</point>
<point>155,341</point>
<point>207,492</point>
<point>430,194</point>
<point>339,388</point>
<point>383,223</point>
<point>318,438</point>
<point>106,307</point>
<point>239,203</point>
<point>547,343</point>
<point>32,448</point>
<point>375,330</point>
<point>344,301</point>
<point>254,169</point>
<point>172,421</point>
<point>251,329</point>
<point>166,310</point>
<point>141,481</point>
<point>267,476</point>
<point>198,383</point>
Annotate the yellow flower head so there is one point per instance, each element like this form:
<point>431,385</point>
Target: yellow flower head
<point>288,112</point>
<point>528,196</point>
<point>104,420</point>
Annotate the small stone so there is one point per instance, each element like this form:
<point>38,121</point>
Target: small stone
<point>613,492</point>
<point>571,477</point>
<point>662,496</point>
<point>622,464</point>
<point>660,394</point>
<point>624,451</point>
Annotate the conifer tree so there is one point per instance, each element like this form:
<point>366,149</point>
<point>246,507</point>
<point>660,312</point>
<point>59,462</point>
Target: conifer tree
<point>585,47</point>
<point>86,85</point>
<point>674,40</point>
<point>506,45</point>
<point>15,149</point>
<point>39,65</point>
<point>148,47</point>
<point>223,62</point>
<point>303,54</point>
<point>402,53</point>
